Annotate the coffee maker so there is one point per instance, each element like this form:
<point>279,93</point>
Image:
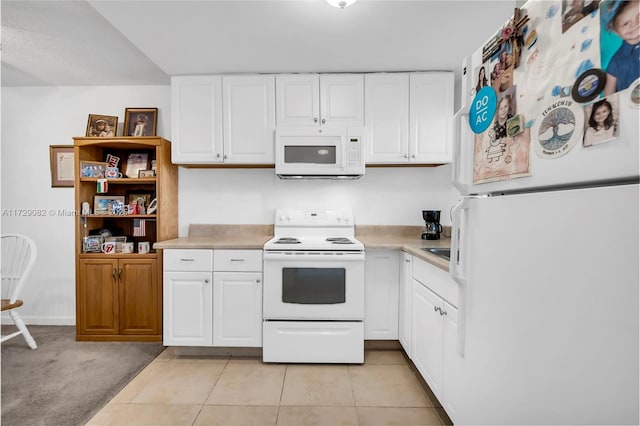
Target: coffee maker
<point>432,227</point>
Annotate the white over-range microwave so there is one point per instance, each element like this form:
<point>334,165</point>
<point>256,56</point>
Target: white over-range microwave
<point>333,152</point>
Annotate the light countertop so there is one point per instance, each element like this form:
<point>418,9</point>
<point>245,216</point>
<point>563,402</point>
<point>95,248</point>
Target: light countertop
<point>406,238</point>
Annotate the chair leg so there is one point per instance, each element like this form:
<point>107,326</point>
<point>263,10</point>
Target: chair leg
<point>23,328</point>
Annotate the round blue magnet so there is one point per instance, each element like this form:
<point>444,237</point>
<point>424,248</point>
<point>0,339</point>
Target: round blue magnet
<point>483,109</point>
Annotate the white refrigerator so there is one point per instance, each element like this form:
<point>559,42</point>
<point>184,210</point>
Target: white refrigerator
<point>545,246</point>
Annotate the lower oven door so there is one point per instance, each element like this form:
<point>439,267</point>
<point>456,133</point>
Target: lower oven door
<point>313,286</point>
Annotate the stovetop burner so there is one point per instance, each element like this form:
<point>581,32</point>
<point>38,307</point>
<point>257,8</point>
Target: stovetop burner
<point>339,240</point>
<point>287,240</point>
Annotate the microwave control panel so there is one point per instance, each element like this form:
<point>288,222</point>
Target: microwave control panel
<point>354,151</point>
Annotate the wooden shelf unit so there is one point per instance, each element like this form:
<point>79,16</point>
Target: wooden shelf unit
<point>119,296</point>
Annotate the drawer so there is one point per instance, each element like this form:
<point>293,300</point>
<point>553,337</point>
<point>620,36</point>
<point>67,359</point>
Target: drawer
<point>188,260</point>
<point>435,279</point>
<point>237,260</point>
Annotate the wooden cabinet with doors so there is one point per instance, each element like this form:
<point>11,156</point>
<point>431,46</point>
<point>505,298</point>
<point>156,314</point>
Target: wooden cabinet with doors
<point>119,295</point>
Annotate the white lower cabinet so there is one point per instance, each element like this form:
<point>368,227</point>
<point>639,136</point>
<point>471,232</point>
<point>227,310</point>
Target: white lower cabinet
<point>212,298</point>
<point>187,298</point>
<point>237,309</point>
<point>434,332</point>
<point>381,294</point>
<point>404,302</point>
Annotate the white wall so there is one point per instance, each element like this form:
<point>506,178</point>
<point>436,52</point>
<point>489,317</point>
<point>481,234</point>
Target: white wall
<point>32,119</point>
<point>35,117</point>
<point>383,196</point>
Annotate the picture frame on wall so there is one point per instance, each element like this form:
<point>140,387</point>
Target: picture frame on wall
<point>140,121</point>
<point>102,126</point>
<point>62,166</point>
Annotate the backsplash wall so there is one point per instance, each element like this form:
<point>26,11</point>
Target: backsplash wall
<point>383,196</point>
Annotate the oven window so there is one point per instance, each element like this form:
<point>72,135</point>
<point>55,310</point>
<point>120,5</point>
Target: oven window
<point>313,286</point>
<point>315,154</point>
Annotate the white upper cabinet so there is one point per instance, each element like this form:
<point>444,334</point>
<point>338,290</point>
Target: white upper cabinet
<point>430,117</point>
<point>409,118</point>
<point>317,99</point>
<point>386,109</point>
<point>249,119</point>
<point>199,134</point>
<point>196,119</point>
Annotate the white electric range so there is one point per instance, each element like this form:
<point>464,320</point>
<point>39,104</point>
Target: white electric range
<point>313,296</point>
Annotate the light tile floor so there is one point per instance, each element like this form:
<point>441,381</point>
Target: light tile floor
<point>179,390</point>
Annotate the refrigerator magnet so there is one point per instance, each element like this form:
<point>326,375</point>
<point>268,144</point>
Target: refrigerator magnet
<point>588,85</point>
<point>558,129</point>
<point>483,109</point>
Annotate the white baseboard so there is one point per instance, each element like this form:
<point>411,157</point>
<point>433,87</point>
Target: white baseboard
<point>32,320</point>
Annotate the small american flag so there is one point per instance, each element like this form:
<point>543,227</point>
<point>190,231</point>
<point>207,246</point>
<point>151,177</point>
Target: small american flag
<point>139,227</point>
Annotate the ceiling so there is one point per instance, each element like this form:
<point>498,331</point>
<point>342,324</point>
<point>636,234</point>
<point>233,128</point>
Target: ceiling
<point>112,42</point>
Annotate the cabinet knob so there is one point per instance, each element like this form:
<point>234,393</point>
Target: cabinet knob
<point>113,274</point>
<point>315,119</point>
<point>405,156</point>
<point>206,281</point>
<point>224,156</point>
<point>217,155</point>
<point>324,121</point>
<point>258,280</point>
<point>443,313</point>
<point>120,273</point>
<point>413,156</point>
<point>436,308</point>
<point>407,261</point>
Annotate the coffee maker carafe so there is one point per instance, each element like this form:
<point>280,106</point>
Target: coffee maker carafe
<point>432,227</point>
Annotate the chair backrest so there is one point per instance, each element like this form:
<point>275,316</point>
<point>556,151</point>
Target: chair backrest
<point>19,253</point>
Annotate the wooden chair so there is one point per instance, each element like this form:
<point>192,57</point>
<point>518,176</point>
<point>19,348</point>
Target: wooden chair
<point>18,256</point>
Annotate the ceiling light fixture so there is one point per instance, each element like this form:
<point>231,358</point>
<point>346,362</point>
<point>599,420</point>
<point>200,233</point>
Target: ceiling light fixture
<point>341,3</point>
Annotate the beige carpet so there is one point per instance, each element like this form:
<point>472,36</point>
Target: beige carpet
<point>65,382</point>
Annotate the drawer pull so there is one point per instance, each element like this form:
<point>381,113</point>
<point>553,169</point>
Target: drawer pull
<point>186,260</point>
<point>237,260</point>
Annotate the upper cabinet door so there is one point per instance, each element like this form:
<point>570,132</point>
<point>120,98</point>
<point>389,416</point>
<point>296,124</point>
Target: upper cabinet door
<point>196,119</point>
<point>249,119</point>
<point>431,117</point>
<point>386,99</point>
<point>342,99</point>
<point>297,99</point>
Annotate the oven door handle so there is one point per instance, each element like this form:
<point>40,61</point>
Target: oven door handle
<point>315,257</point>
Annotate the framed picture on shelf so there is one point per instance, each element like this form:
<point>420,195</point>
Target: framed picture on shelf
<point>61,158</point>
<point>140,198</point>
<point>102,126</point>
<point>108,204</point>
<point>146,173</point>
<point>92,243</point>
<point>140,121</point>
<point>92,169</point>
<point>135,163</point>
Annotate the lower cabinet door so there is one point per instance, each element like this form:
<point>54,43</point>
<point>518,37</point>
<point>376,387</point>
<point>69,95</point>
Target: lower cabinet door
<point>187,309</point>
<point>237,311</point>
<point>426,345</point>
<point>139,304</point>
<point>97,305</point>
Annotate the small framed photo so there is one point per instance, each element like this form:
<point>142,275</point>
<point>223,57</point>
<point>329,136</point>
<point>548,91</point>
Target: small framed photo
<point>108,204</point>
<point>61,158</point>
<point>140,121</point>
<point>102,126</point>
<point>92,243</point>
<point>92,169</point>
<point>141,198</point>
<point>135,163</point>
<point>146,173</point>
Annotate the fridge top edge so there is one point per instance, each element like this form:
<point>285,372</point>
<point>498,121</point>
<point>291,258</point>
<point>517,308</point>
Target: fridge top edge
<point>582,185</point>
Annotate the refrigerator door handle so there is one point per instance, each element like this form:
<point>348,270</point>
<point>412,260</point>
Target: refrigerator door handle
<point>459,129</point>
<point>457,266</point>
